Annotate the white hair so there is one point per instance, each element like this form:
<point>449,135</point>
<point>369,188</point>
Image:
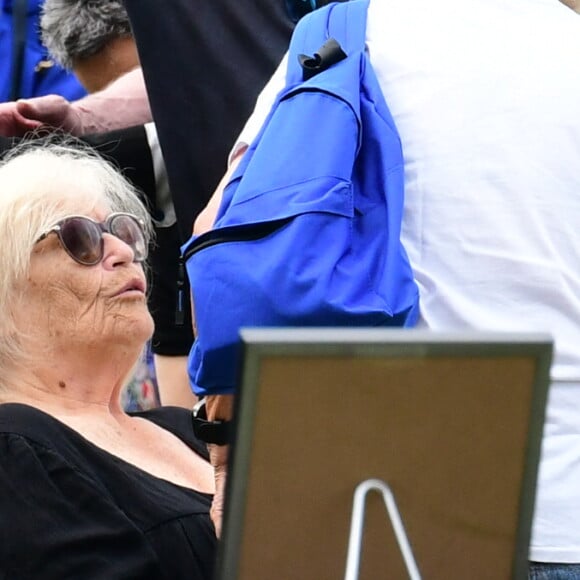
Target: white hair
<point>40,184</point>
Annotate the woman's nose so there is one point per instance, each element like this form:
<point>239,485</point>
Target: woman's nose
<point>116,252</point>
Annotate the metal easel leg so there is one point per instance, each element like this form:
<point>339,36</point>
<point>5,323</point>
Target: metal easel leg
<point>357,525</point>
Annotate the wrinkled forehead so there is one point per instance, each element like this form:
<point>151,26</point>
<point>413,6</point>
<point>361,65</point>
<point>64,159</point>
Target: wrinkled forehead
<point>92,203</point>
<point>56,204</point>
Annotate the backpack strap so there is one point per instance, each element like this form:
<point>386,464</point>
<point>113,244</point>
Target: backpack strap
<point>344,22</point>
<point>348,24</point>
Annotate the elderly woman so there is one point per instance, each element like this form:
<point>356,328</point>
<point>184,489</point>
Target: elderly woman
<point>86,490</point>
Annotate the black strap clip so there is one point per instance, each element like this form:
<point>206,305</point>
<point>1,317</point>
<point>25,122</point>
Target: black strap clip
<point>216,432</point>
<point>328,54</point>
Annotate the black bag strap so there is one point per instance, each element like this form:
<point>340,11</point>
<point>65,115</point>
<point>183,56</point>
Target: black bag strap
<point>19,13</point>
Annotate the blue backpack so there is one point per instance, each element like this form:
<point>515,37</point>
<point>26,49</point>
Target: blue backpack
<point>308,231</point>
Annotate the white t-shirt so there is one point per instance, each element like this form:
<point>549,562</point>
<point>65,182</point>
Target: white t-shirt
<point>486,98</point>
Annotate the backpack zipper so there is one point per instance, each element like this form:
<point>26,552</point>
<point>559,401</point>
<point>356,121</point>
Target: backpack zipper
<point>241,233</point>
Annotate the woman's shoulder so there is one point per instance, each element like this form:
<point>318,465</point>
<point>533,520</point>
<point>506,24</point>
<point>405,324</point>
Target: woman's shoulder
<point>25,429</point>
<point>48,499</point>
<point>33,444</point>
<point>28,421</point>
<point>43,429</point>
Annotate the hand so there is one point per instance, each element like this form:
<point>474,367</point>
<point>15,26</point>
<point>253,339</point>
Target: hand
<point>218,456</point>
<point>52,111</point>
<point>13,123</point>
<point>219,407</point>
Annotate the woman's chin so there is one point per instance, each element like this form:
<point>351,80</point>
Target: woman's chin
<point>133,331</point>
<point>143,331</point>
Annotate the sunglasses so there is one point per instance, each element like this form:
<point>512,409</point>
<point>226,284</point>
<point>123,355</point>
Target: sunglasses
<point>82,237</point>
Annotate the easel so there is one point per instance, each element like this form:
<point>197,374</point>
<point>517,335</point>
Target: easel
<point>357,528</point>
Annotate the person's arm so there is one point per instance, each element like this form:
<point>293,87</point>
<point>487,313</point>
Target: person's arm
<point>55,522</point>
<point>123,103</point>
<point>220,407</point>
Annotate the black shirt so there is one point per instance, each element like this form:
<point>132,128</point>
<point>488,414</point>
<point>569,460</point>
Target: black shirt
<point>70,510</point>
<point>204,64</point>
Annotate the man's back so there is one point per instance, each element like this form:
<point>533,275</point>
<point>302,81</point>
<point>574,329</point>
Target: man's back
<point>485,96</point>
<point>491,137</point>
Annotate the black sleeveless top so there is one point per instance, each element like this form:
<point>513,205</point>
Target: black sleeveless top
<point>69,509</point>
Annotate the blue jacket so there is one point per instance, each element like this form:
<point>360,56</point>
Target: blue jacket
<point>40,75</point>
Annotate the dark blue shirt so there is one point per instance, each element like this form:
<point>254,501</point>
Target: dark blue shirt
<point>40,74</point>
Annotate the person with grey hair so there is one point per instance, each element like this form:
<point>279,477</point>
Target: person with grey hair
<point>92,38</point>
<point>86,489</point>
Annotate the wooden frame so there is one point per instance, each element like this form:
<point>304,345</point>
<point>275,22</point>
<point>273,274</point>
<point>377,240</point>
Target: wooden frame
<point>452,423</point>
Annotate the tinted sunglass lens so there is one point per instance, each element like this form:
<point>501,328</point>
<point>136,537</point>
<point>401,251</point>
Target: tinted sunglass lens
<point>82,240</point>
<point>128,229</point>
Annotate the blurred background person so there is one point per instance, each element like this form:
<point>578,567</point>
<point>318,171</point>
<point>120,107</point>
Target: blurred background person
<point>92,39</point>
<point>204,65</point>
<point>28,70</point>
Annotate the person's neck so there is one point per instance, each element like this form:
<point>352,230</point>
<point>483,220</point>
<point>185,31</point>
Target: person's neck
<point>70,383</point>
